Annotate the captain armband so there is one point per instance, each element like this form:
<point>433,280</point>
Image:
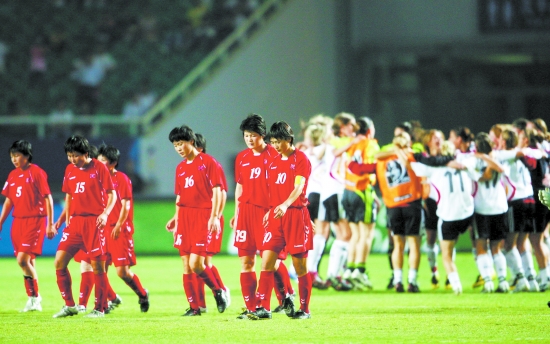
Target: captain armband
<point>299,180</point>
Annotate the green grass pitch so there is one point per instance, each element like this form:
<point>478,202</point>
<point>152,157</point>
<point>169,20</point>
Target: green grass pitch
<point>378,316</point>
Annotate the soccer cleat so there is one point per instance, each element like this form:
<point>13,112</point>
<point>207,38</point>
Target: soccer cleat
<point>301,315</point>
<point>479,282</point>
<point>360,280</point>
<point>390,284</point>
<point>221,302</point>
<point>116,302</point>
<point>533,285</point>
<point>413,288</point>
<point>288,306</point>
<point>435,280</point>
<point>347,276</point>
<point>399,287</point>
<point>81,309</point>
<point>190,312</point>
<point>260,314</point>
<point>521,284</point>
<point>278,309</point>
<point>488,287</point>
<point>144,302</point>
<point>457,290</point>
<point>318,283</point>
<point>28,305</point>
<point>513,283</point>
<point>95,314</point>
<point>543,287</point>
<point>244,314</point>
<point>227,294</point>
<point>66,311</point>
<point>448,284</point>
<point>503,287</point>
<point>203,309</point>
<point>338,285</point>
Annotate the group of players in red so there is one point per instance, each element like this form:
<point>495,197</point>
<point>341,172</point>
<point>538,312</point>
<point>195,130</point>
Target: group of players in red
<point>271,217</point>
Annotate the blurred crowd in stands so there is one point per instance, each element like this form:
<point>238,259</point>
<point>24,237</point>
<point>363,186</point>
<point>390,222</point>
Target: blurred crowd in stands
<point>85,57</point>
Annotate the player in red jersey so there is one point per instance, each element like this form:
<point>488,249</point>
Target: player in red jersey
<point>216,240</point>
<point>287,224</point>
<point>120,226</point>
<point>88,209</point>
<point>27,192</point>
<point>251,204</point>
<point>197,216</point>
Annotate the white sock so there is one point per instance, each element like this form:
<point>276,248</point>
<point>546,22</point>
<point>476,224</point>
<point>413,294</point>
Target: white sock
<point>491,264</point>
<point>513,260</point>
<point>483,265</point>
<point>412,275</point>
<point>335,257</point>
<point>431,252</point>
<point>543,273</point>
<point>528,266</point>
<point>454,280</point>
<point>315,255</point>
<point>344,254</point>
<point>397,276</point>
<point>500,265</point>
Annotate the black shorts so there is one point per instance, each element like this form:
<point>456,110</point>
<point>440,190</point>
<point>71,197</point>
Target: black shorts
<point>330,210</point>
<point>492,227</point>
<point>406,220</point>
<point>430,221</point>
<point>360,207</point>
<point>541,214</point>
<point>521,215</point>
<point>313,206</point>
<point>451,230</point>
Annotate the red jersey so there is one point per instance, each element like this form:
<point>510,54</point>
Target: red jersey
<point>281,175</point>
<point>123,188</point>
<point>27,190</point>
<point>251,173</point>
<point>88,188</point>
<point>195,181</point>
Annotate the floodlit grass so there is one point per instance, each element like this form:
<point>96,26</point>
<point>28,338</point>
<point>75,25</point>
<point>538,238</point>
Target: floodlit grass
<point>342,317</point>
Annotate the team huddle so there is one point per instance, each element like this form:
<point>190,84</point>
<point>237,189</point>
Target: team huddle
<point>290,197</point>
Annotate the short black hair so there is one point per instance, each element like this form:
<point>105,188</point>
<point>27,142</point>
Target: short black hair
<point>110,152</point>
<point>200,142</point>
<point>78,144</point>
<point>365,124</point>
<point>464,133</point>
<point>520,123</point>
<point>93,153</point>
<point>254,123</point>
<point>23,147</point>
<point>281,131</point>
<point>183,133</point>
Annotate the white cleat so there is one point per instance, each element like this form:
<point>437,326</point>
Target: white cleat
<point>533,285</point>
<point>488,287</point>
<point>95,314</point>
<point>227,293</point>
<point>66,311</point>
<point>521,285</point>
<point>503,287</point>
<point>81,308</point>
<point>457,290</point>
<point>33,304</point>
<point>361,280</point>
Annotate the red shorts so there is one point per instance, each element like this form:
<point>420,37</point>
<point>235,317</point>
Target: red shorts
<point>249,233</point>
<point>83,234</point>
<point>215,241</point>
<point>191,235</point>
<point>27,234</point>
<point>292,232</point>
<point>82,256</point>
<point>121,250</point>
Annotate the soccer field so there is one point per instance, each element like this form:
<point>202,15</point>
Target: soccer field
<point>340,317</point>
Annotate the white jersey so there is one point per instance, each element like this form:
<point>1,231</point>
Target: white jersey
<point>331,184</point>
<point>518,175</point>
<point>318,169</point>
<point>489,196</point>
<point>453,189</point>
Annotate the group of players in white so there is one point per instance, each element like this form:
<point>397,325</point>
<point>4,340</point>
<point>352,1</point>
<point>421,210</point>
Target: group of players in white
<point>490,184</point>
<point>290,197</point>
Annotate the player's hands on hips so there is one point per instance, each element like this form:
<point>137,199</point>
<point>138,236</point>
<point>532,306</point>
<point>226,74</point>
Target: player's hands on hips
<point>51,230</point>
<point>101,220</point>
<point>171,225</point>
